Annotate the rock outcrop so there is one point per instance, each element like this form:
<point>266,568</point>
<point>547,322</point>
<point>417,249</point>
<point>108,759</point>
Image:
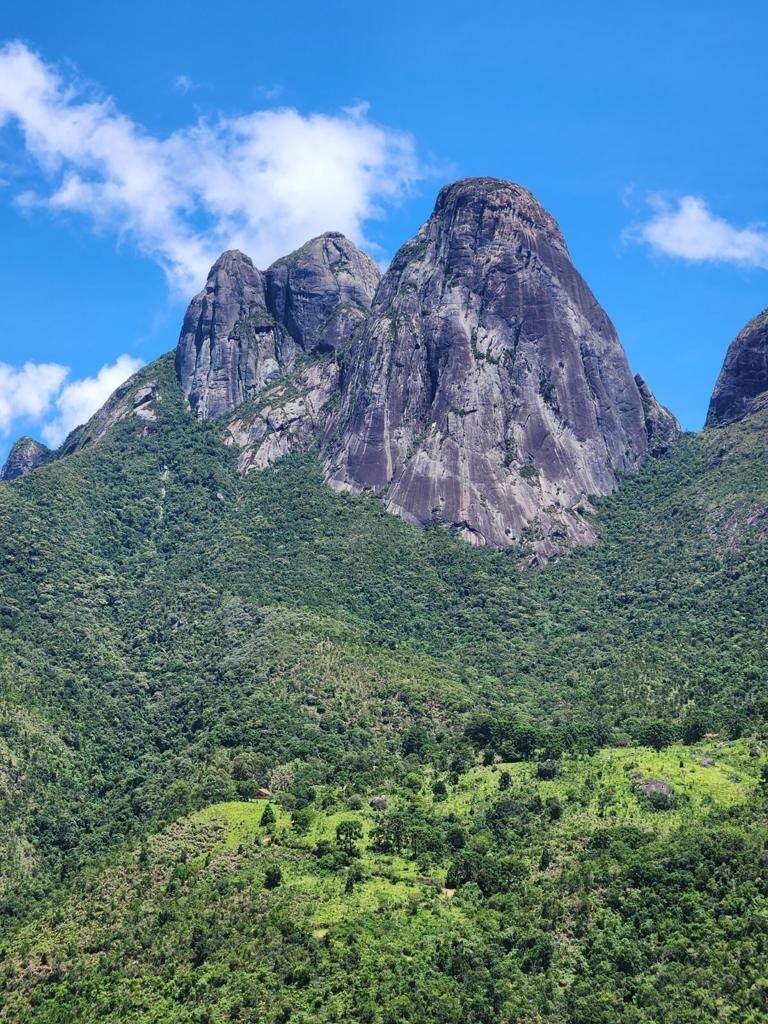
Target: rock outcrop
<point>247,326</point>
<point>744,375</point>
<point>289,418</point>
<point>136,397</point>
<point>230,343</point>
<point>662,427</point>
<point>25,455</point>
<point>322,292</point>
<point>488,389</point>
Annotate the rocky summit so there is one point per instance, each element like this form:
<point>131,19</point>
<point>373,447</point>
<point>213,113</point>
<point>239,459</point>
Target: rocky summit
<point>744,375</point>
<point>25,455</point>
<point>488,389</point>
<point>478,384</point>
<point>247,326</point>
<point>482,386</point>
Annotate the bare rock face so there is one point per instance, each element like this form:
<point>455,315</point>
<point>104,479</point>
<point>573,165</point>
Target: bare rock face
<point>288,418</point>
<point>230,343</point>
<point>247,327</point>
<point>478,383</point>
<point>322,292</point>
<point>25,455</point>
<point>744,375</point>
<point>662,427</point>
<point>488,389</point>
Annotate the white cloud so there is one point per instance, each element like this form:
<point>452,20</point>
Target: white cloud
<point>28,392</point>
<point>38,395</point>
<point>78,401</point>
<point>184,83</point>
<point>264,182</point>
<point>692,232</point>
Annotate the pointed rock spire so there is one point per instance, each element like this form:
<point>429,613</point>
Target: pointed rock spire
<point>246,327</point>
<point>488,389</point>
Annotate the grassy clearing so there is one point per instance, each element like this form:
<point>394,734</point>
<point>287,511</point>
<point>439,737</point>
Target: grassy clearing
<point>594,792</point>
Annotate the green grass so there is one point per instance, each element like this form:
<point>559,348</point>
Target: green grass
<point>197,890</point>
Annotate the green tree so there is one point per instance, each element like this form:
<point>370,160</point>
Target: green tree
<point>272,877</point>
<point>348,833</point>
<point>656,733</point>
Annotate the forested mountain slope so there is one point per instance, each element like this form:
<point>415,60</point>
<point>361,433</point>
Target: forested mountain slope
<point>161,614</point>
<point>269,753</point>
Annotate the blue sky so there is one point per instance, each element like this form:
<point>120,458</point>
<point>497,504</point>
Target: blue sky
<point>138,139</point>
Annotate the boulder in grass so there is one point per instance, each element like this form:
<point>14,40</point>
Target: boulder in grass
<point>651,787</point>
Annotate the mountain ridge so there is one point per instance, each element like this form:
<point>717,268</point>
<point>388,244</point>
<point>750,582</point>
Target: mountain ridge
<point>477,384</point>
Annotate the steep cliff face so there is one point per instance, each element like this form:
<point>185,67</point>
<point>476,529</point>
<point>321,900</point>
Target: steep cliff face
<point>744,375</point>
<point>230,343</point>
<point>247,327</point>
<point>322,292</point>
<point>488,389</point>
<point>25,455</point>
<point>662,427</point>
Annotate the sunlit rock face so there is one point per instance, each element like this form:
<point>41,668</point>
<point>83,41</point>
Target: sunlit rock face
<point>478,383</point>
<point>247,327</point>
<point>322,292</point>
<point>488,389</point>
<point>744,375</point>
<point>25,455</point>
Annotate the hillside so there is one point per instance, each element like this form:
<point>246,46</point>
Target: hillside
<point>504,892</point>
<point>563,731</point>
<point>161,614</point>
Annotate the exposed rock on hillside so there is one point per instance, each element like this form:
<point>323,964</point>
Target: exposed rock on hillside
<point>290,417</point>
<point>25,455</point>
<point>136,397</point>
<point>247,327</point>
<point>322,292</point>
<point>488,389</point>
<point>662,427</point>
<point>744,375</point>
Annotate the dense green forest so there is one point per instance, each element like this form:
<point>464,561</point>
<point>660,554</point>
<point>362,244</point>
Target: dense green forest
<point>554,845</point>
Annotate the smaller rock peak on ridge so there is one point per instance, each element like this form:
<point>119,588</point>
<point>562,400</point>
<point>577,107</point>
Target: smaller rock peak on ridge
<point>248,326</point>
<point>25,455</point>
<point>744,375</point>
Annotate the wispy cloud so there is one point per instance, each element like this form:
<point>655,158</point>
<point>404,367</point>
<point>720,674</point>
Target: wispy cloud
<point>37,395</point>
<point>689,230</point>
<point>184,83</point>
<point>270,92</point>
<point>263,182</point>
